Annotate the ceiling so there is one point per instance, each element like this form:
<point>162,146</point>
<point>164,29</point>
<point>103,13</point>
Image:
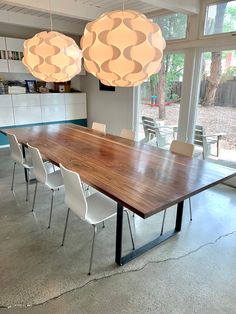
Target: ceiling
<point>68,13</point>
<point>31,12</point>
<point>108,5</point>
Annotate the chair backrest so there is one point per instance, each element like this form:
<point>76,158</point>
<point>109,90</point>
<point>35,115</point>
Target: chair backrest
<point>182,148</point>
<point>129,134</point>
<point>39,169</point>
<point>74,193</point>
<point>16,152</point>
<point>99,127</point>
<point>149,125</point>
<point>198,135</point>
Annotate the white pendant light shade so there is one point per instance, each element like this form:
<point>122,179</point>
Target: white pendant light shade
<point>52,57</point>
<point>122,48</point>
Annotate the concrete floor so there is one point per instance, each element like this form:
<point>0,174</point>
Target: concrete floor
<point>194,272</point>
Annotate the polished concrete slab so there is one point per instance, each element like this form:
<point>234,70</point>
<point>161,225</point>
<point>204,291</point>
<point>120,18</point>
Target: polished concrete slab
<point>193,272</point>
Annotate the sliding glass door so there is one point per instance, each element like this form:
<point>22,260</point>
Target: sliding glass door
<point>160,96</point>
<point>216,111</point>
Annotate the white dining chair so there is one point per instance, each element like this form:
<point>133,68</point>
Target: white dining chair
<point>100,127</point>
<point>183,149</point>
<point>52,180</point>
<point>94,209</point>
<point>128,134</point>
<point>18,158</point>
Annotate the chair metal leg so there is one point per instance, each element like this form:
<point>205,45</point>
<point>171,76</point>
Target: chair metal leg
<point>130,231</point>
<point>65,229</point>
<point>163,222</point>
<point>35,191</point>
<point>27,185</point>
<point>217,148</point>
<point>103,224</point>
<point>13,176</point>
<point>50,215</point>
<point>91,258</point>
<point>190,209</point>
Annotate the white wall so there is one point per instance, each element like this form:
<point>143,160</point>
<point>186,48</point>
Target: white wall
<point>111,108</point>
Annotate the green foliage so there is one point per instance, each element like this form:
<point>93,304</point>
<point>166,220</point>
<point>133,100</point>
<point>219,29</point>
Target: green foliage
<point>174,65</point>
<point>227,21</point>
<point>230,17</point>
<point>173,26</point>
<point>229,74</point>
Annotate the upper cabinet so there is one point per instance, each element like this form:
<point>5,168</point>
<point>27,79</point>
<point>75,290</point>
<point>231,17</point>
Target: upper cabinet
<point>3,55</point>
<point>15,48</point>
<point>11,54</point>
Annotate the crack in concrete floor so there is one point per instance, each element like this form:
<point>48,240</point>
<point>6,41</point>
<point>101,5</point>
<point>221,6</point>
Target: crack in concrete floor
<point>121,273</point>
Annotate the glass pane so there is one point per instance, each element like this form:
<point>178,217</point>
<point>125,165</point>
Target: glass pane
<point>220,18</point>
<point>173,26</point>
<point>217,108</point>
<point>160,100</point>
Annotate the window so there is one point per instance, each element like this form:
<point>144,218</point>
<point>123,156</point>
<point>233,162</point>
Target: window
<point>220,18</point>
<point>160,99</point>
<point>216,110</point>
<point>173,26</point>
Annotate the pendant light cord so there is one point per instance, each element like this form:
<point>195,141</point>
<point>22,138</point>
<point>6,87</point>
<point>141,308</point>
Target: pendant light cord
<point>123,6</point>
<point>50,13</point>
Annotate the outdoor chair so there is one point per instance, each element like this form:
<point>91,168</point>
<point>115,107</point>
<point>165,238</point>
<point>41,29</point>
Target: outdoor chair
<point>183,149</point>
<point>206,141</point>
<point>94,209</point>
<point>153,130</point>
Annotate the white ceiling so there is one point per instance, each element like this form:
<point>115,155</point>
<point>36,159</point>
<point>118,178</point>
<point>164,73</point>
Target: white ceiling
<point>31,12</point>
<point>68,13</point>
<point>108,5</point>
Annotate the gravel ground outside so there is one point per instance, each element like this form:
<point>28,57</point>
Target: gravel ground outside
<point>213,119</point>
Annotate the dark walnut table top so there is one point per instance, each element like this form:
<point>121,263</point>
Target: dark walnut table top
<point>143,178</point>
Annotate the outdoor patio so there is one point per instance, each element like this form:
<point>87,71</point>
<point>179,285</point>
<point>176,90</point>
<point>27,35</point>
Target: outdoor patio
<point>215,119</point>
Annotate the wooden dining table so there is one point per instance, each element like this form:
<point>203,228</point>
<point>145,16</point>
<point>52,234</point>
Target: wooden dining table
<point>140,177</point>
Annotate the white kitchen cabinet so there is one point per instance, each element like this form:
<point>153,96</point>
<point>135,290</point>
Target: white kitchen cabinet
<point>53,113</point>
<point>6,116</point>
<point>23,109</point>
<point>6,111</point>
<point>5,101</point>
<point>25,100</point>
<point>27,115</point>
<point>52,99</point>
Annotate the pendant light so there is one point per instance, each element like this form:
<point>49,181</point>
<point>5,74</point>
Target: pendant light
<point>52,56</point>
<point>122,48</point>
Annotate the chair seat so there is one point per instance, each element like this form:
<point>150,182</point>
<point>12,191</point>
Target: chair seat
<point>54,180</point>
<point>100,207</point>
<point>211,140</point>
<point>27,163</point>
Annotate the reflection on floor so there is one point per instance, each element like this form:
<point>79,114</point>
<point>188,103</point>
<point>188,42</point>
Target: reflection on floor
<point>194,272</point>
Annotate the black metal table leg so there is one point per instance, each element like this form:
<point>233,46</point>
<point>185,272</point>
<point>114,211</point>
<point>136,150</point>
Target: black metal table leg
<point>119,233</point>
<point>179,215</point>
<point>121,260</point>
